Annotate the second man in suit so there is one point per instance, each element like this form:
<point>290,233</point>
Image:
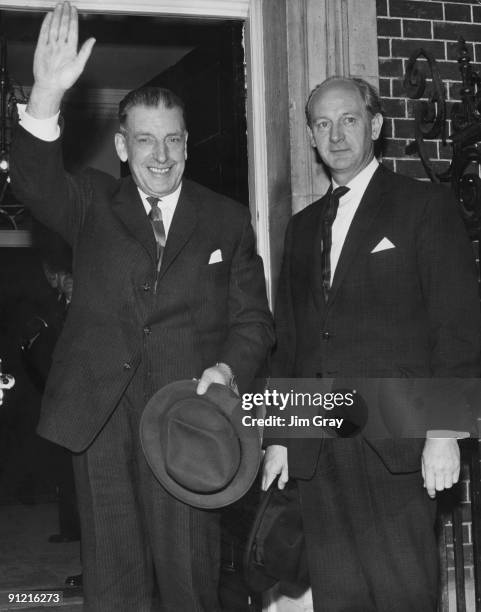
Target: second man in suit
<point>379,282</point>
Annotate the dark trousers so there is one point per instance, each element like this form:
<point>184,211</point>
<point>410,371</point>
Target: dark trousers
<point>68,517</point>
<point>133,530</point>
<point>369,534</point>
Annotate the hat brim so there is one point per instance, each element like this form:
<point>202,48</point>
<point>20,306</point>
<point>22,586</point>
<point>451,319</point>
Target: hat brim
<point>256,575</point>
<point>287,563</point>
<point>220,396</point>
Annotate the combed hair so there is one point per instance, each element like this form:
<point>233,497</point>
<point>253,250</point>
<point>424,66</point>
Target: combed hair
<point>368,93</point>
<point>149,96</point>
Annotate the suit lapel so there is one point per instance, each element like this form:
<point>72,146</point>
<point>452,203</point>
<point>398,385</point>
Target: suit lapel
<point>181,228</point>
<point>367,211</point>
<point>128,207</point>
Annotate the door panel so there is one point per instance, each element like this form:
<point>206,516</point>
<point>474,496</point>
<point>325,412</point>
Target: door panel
<point>210,80</point>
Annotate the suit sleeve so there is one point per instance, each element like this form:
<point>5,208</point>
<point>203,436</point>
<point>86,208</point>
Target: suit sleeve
<point>250,331</point>
<point>449,283</point>
<point>40,182</point>
<point>283,359</point>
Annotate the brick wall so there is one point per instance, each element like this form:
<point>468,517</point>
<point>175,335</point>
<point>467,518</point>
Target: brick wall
<point>403,26</point>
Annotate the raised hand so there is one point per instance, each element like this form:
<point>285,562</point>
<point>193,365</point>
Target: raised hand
<point>57,64</point>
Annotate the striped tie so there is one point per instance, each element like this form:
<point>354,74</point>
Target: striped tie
<point>155,217</point>
<point>327,222</point>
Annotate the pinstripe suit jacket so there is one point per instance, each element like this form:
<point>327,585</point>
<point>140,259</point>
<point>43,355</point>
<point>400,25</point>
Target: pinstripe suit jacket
<point>199,314</point>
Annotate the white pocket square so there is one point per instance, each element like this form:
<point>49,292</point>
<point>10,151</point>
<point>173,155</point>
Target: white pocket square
<point>215,256</point>
<point>383,246</point>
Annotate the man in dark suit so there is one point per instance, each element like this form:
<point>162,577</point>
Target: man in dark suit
<point>378,281</point>
<point>175,296</point>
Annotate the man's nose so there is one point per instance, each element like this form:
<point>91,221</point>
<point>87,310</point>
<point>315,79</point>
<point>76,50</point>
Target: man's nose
<point>337,132</point>
<point>160,151</point>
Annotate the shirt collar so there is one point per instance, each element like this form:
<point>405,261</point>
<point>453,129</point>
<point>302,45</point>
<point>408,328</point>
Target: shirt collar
<point>169,201</point>
<point>358,185</point>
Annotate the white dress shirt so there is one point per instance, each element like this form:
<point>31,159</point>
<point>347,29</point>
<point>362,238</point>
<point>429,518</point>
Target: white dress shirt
<point>348,205</point>
<point>44,129</point>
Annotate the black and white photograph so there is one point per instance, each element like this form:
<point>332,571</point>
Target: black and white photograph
<point>240,318</point>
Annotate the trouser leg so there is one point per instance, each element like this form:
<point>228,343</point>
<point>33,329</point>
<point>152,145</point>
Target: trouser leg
<point>185,544</point>
<point>369,534</point>
<point>116,556</point>
<point>69,521</point>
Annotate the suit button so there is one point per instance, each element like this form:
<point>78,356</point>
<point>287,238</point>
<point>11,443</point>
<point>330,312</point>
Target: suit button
<point>147,330</point>
<point>326,335</point>
<point>146,286</point>
<point>127,366</point>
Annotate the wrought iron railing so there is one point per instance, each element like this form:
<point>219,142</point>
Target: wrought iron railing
<point>431,122</point>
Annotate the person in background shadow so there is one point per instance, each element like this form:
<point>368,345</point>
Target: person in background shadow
<point>39,337</point>
<point>378,281</point>
<point>42,329</point>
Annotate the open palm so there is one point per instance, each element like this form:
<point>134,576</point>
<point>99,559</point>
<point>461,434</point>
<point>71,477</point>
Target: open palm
<point>56,64</point>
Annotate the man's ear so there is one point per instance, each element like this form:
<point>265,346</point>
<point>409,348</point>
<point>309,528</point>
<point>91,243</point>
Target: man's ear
<point>121,146</point>
<point>311,137</point>
<point>376,125</point>
<point>185,144</point>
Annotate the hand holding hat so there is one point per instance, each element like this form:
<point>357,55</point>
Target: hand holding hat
<point>219,373</point>
<point>196,445</point>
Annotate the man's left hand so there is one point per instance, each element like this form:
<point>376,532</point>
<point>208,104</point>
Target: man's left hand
<point>219,373</point>
<point>440,464</point>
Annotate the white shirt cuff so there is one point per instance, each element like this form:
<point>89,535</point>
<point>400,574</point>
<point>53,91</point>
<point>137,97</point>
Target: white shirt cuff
<point>447,433</point>
<point>44,129</point>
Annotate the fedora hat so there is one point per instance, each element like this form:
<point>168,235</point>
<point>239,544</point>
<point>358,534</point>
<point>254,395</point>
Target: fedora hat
<point>275,549</point>
<point>196,445</point>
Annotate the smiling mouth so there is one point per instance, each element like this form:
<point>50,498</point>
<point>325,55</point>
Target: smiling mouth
<point>159,171</point>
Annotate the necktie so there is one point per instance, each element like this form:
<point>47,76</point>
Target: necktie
<point>155,216</point>
<point>331,212</point>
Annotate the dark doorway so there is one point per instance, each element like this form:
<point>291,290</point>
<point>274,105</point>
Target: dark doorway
<point>210,80</point>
